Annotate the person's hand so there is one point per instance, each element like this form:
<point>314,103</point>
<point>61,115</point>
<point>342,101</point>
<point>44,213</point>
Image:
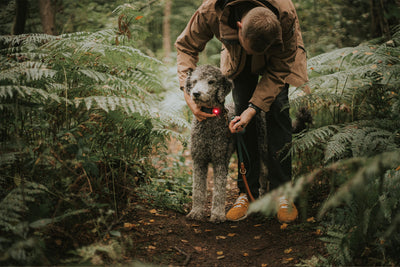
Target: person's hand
<point>196,110</point>
<point>240,122</point>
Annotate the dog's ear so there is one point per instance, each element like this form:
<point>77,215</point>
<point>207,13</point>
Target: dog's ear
<point>188,84</point>
<point>227,86</point>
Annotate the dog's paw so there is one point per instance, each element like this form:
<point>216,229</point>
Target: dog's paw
<point>197,215</point>
<point>217,218</point>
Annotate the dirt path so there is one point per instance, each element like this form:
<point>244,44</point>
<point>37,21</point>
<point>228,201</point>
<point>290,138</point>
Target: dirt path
<point>165,237</point>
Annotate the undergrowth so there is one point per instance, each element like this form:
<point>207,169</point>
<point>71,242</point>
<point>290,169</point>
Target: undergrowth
<point>81,122</point>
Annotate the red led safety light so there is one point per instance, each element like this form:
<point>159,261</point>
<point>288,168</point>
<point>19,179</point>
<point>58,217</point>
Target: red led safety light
<point>216,111</point>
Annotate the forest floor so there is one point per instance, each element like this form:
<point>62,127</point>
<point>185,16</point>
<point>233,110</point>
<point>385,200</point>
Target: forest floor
<point>165,237</point>
<point>157,236</point>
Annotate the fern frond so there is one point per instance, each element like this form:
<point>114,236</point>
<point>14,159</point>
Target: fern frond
<point>366,167</point>
<point>338,145</point>
<point>372,167</point>
<point>23,91</point>
<point>15,203</point>
<point>312,138</point>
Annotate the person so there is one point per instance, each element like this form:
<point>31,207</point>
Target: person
<point>262,52</point>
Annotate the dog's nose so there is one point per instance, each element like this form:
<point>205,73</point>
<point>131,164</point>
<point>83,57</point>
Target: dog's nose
<point>196,94</point>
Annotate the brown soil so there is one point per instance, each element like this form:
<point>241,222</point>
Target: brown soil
<point>164,237</point>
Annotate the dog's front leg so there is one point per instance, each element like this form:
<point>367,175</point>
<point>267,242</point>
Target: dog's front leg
<point>199,192</point>
<point>219,194</point>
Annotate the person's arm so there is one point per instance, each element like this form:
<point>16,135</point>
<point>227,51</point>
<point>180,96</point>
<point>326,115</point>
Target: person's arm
<point>190,43</point>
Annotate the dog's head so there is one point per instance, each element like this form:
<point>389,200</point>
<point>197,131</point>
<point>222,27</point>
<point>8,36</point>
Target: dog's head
<point>207,86</point>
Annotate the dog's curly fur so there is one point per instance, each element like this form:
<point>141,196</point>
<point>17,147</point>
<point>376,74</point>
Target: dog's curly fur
<point>211,141</point>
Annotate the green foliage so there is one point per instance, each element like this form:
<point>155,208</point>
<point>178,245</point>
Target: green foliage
<point>81,116</point>
<point>353,147</point>
<point>167,193</point>
<point>364,231</point>
<point>355,98</point>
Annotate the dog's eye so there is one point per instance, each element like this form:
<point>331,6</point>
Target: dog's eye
<point>211,82</point>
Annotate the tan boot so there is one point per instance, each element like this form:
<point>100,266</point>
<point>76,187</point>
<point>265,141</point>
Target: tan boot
<point>287,211</point>
<point>239,210</point>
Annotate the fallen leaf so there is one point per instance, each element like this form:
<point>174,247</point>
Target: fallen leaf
<point>220,253</point>
<point>197,231</point>
<point>235,226</point>
<point>207,230</point>
<point>153,211</point>
<point>231,234</point>
<point>398,168</point>
<point>151,221</point>
<point>245,254</point>
<point>107,236</point>
<point>138,17</point>
<point>257,237</point>
<point>128,225</point>
<point>220,237</point>
<point>284,226</point>
<point>220,257</point>
<point>286,260</point>
<point>198,249</point>
<point>257,225</point>
<point>311,219</point>
<point>368,53</point>
<point>184,241</point>
<point>150,247</point>
<point>318,232</point>
<point>264,265</point>
<point>287,251</point>
<point>58,242</point>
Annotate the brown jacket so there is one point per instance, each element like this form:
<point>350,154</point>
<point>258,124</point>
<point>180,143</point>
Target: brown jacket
<point>283,63</point>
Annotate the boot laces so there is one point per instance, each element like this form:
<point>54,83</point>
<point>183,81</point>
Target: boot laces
<point>283,203</point>
<point>241,201</point>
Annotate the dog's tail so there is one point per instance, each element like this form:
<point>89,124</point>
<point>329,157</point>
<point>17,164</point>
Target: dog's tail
<point>302,121</point>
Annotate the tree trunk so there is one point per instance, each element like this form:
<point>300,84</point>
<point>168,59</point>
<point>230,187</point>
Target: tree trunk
<point>47,9</point>
<point>20,17</point>
<point>167,31</point>
<point>379,24</point>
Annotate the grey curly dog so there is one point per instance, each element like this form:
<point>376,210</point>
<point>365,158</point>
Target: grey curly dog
<point>212,142</point>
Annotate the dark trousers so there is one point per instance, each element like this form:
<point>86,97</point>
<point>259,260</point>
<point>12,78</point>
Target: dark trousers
<point>279,134</point>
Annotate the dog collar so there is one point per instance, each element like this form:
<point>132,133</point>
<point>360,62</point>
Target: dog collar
<point>217,111</point>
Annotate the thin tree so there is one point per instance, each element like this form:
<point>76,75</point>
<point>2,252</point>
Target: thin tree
<point>384,14</point>
<point>21,13</point>
<point>167,30</point>
<point>47,10</point>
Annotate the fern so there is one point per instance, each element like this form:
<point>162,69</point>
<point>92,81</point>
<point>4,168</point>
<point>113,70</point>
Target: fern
<point>82,114</point>
<point>13,207</point>
<point>14,204</point>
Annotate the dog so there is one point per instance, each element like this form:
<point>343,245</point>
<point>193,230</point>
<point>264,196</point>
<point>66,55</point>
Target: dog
<point>211,140</point>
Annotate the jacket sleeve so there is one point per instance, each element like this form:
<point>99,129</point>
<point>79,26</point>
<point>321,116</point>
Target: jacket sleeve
<point>280,59</point>
<point>190,42</point>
